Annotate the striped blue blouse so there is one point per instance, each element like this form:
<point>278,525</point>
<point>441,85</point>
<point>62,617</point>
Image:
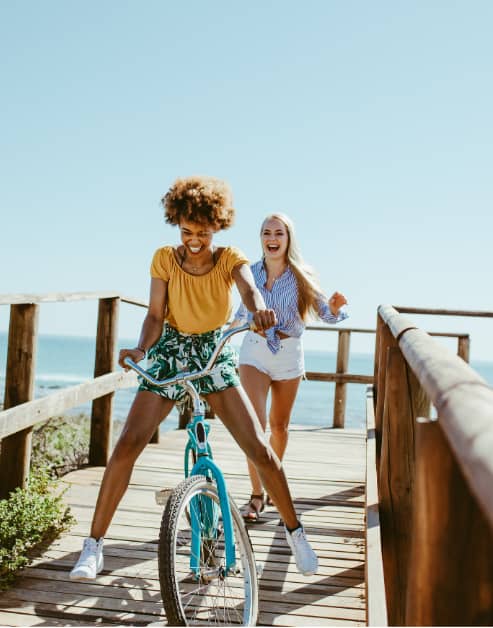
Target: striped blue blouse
<point>283,299</point>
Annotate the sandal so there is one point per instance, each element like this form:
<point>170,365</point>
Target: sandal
<point>252,514</point>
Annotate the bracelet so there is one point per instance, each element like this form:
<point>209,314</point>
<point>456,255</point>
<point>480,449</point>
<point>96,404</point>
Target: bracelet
<point>143,351</point>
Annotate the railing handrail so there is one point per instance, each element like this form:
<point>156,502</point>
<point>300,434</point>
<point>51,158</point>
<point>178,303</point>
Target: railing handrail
<point>402,309</point>
<point>63,297</point>
<point>462,398</point>
<point>29,413</point>
<point>360,330</point>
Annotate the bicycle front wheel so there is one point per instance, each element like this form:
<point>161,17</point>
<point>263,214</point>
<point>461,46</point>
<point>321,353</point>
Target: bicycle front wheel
<point>211,595</point>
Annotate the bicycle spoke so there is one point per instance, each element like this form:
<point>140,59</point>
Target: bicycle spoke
<point>212,595</point>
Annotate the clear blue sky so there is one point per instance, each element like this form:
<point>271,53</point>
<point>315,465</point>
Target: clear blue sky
<point>369,123</point>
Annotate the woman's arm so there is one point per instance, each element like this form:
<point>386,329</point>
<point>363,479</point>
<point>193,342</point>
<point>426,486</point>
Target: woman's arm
<point>152,327</point>
<point>251,297</point>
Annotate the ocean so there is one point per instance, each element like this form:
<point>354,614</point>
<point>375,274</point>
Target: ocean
<point>67,360</point>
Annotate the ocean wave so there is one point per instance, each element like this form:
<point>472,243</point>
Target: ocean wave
<point>63,378</point>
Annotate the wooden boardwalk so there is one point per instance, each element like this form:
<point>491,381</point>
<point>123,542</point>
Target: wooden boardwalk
<point>326,470</point>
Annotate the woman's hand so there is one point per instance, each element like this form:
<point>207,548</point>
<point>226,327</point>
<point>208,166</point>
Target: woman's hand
<point>134,354</point>
<point>263,319</point>
<point>336,301</point>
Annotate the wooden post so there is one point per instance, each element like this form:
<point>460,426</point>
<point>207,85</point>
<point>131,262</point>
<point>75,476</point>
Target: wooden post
<point>341,367</point>
<point>451,571</point>
<point>463,345</point>
<point>386,339</point>
<point>184,418</point>
<point>19,387</point>
<point>376,355</point>
<point>186,412</point>
<point>102,408</point>
<point>404,400</point>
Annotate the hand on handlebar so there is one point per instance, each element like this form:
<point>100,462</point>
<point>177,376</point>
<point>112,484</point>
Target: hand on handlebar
<point>263,319</point>
<point>134,354</point>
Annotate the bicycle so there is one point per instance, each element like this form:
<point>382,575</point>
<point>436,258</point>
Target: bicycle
<point>207,568</point>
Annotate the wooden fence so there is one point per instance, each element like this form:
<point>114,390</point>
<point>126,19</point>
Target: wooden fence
<point>21,412</point>
<point>435,477</point>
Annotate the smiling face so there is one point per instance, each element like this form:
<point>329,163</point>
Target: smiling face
<point>196,237</point>
<point>275,239</point>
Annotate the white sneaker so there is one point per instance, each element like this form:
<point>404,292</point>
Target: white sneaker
<point>305,557</point>
<point>90,561</point>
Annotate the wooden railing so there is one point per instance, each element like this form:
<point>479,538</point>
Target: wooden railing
<point>435,477</point>
<point>341,377</point>
<point>21,413</point>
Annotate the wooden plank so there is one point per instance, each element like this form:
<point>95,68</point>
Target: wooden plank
<point>451,574</point>
<point>339,378</point>
<point>11,299</point>
<point>340,593</point>
<point>396,477</point>
<point>24,299</point>
<point>376,602</point>
<point>128,592</point>
<point>133,301</point>
<point>384,340</point>
<point>356,330</point>
<point>109,586</point>
<point>91,614</point>
<point>442,312</point>
<point>28,616</point>
<point>28,414</point>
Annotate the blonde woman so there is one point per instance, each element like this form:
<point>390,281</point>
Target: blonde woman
<point>272,359</point>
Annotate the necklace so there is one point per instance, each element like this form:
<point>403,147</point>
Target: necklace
<point>194,269</point>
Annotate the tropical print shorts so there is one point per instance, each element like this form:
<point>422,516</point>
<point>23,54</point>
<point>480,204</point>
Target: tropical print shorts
<point>176,352</point>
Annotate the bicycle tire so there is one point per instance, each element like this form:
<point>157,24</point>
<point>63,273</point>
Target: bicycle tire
<point>220,599</point>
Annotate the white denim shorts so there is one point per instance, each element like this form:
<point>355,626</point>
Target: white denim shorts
<point>287,363</point>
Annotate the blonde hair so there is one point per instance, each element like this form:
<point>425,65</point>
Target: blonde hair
<point>309,290</point>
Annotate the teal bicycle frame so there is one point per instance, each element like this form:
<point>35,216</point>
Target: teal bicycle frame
<point>205,525</point>
<point>205,515</point>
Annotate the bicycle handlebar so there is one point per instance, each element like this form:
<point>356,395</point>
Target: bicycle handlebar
<point>187,376</point>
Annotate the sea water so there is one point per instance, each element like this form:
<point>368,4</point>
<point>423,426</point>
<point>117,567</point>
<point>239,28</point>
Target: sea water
<point>64,361</point>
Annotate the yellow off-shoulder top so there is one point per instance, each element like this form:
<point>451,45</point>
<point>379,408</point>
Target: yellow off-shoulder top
<point>197,303</point>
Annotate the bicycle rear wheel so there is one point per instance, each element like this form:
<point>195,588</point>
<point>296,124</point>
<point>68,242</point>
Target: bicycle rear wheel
<point>211,597</point>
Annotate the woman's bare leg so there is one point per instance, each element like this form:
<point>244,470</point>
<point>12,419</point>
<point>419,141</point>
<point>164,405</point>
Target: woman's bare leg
<point>256,385</point>
<point>147,411</point>
<point>283,395</point>
<point>238,415</point>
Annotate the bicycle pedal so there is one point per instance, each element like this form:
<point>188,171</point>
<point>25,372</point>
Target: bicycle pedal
<point>162,496</point>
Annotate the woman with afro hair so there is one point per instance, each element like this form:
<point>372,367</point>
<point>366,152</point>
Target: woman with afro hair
<point>190,302</point>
